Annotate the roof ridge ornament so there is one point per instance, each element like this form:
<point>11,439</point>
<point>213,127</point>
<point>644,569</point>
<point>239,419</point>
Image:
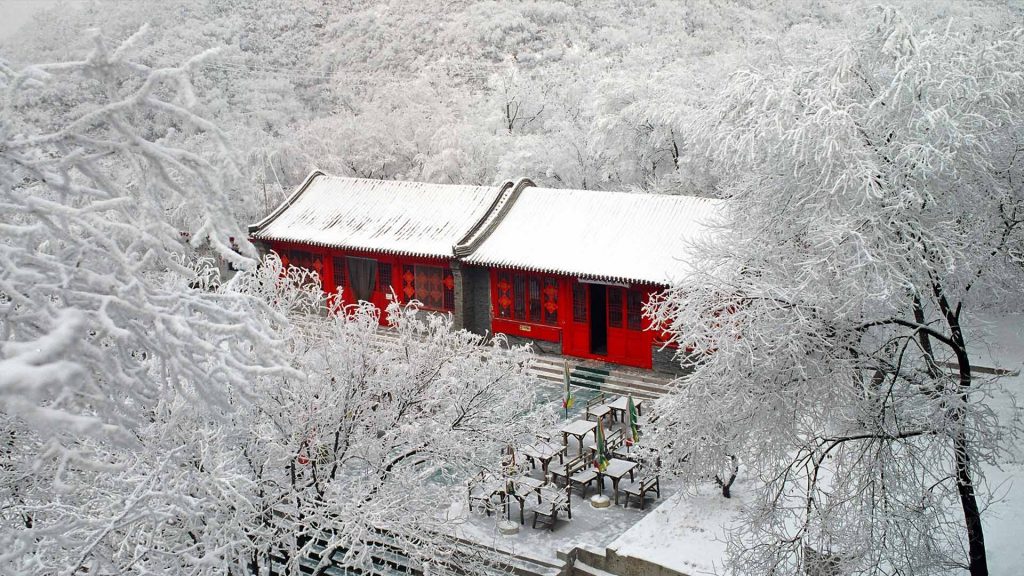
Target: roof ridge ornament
<point>288,202</point>
<point>492,218</point>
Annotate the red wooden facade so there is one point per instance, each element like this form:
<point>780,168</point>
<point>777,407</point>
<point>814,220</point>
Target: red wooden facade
<point>592,320</point>
<point>428,280</point>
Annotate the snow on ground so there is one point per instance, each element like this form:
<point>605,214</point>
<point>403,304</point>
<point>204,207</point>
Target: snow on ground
<point>1001,344</point>
<point>687,532</point>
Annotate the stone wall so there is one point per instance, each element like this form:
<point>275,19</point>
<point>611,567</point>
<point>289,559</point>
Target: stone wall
<point>476,298</point>
<point>666,362</point>
<point>663,360</point>
<point>611,563</point>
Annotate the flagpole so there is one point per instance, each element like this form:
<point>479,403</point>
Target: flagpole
<point>567,400</point>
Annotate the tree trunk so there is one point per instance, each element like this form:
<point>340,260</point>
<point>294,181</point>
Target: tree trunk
<point>977,560</point>
<point>965,484</point>
<point>972,515</point>
<point>727,484</point>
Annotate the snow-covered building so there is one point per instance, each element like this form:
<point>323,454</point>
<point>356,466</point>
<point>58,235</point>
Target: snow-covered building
<point>369,238</point>
<point>569,270</point>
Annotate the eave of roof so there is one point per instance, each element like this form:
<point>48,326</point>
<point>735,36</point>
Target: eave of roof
<point>581,233</point>
<point>388,217</point>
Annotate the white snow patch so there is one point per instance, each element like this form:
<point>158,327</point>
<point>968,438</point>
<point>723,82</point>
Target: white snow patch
<point>687,532</point>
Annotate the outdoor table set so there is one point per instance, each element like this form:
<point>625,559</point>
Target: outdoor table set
<point>615,471</point>
<point>620,408</point>
<point>577,471</point>
<point>578,429</point>
<point>550,499</point>
<point>543,451</point>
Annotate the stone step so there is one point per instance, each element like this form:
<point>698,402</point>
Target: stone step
<point>581,569</point>
<point>621,375</point>
<point>604,377</point>
<point>611,383</point>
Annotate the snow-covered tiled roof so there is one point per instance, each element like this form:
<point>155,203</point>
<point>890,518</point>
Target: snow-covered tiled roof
<point>388,216</point>
<point>610,236</point>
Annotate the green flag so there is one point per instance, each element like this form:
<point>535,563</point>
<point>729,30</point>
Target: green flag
<point>634,430</point>
<point>601,456</point>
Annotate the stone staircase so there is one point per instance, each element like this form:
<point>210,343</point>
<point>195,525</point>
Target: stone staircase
<point>602,377</point>
<point>611,379</point>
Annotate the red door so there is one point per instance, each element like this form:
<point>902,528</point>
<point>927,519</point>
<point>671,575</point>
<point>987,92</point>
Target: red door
<point>605,324</point>
<point>576,335</point>
<point>617,334</point>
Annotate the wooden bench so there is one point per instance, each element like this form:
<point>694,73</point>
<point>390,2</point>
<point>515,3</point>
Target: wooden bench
<point>481,491</point>
<point>622,451</point>
<point>640,489</point>
<point>597,407</point>
<point>553,502</point>
<point>562,472</point>
<point>581,475</point>
<point>612,441</point>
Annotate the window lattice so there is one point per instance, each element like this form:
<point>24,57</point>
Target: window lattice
<point>449,290</point>
<point>430,287</point>
<point>408,283</point>
<point>579,302</point>
<point>534,299</point>
<point>615,307</point>
<point>384,280</point>
<point>519,297</point>
<point>634,309</point>
<point>550,301</point>
<point>504,295</point>
<point>339,272</point>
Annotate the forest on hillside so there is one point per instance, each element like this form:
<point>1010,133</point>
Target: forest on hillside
<point>594,95</point>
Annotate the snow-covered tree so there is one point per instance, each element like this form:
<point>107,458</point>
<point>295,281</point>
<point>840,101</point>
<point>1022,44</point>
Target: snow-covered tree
<point>157,421</point>
<point>104,320</point>
<point>381,435</point>
<point>871,196</point>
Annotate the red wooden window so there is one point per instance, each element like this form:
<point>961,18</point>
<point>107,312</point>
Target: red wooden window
<point>535,308</point>
<point>433,286</point>
<point>504,295</point>
<point>339,272</point>
<point>408,283</point>
<point>579,303</point>
<point>384,271</point>
<point>615,307</point>
<point>527,297</point>
<point>550,301</point>
<point>519,297</point>
<point>449,290</point>
<point>430,286</point>
<point>303,259</point>
<point>634,309</point>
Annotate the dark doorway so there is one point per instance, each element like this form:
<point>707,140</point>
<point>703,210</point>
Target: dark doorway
<point>598,320</point>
